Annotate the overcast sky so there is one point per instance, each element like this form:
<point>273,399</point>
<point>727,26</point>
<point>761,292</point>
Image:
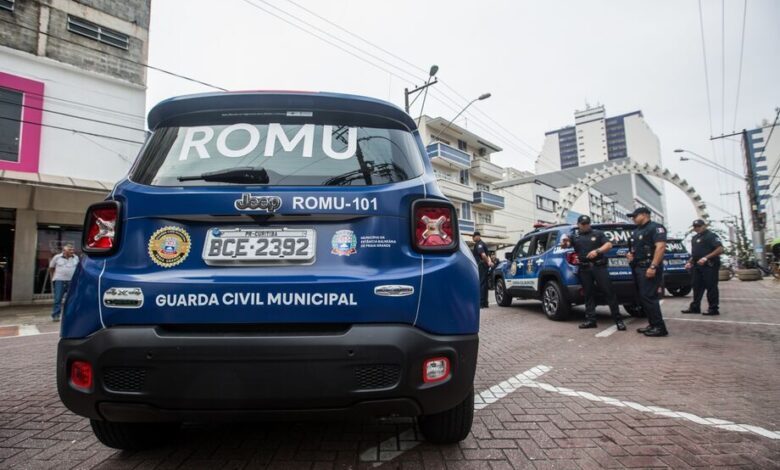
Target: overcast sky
<point>540,60</point>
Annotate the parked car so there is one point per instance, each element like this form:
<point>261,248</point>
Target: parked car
<point>272,254</point>
<point>539,268</point>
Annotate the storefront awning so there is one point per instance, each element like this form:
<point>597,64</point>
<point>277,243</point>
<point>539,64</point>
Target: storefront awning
<point>54,181</point>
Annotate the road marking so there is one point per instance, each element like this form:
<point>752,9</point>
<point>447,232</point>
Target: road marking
<point>657,410</point>
<point>391,448</point>
<point>612,329</point>
<point>727,321</point>
<point>16,331</point>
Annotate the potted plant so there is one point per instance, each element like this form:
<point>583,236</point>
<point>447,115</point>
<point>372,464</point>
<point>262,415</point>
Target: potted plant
<point>747,265</point>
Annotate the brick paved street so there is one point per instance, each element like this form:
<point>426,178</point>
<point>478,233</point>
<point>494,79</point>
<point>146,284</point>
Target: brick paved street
<point>706,396</point>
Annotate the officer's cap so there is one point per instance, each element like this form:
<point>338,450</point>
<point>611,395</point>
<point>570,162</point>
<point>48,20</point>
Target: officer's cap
<point>583,219</point>
<point>699,223</point>
<point>476,234</point>
<point>639,210</point>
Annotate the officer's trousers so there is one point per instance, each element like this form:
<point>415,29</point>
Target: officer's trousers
<point>705,278</point>
<point>649,294</point>
<point>483,284</point>
<point>593,280</point>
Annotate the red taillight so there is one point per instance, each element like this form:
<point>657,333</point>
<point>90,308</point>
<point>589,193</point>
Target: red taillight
<point>81,375</point>
<point>435,226</point>
<point>100,227</point>
<point>436,369</point>
<point>572,258</point>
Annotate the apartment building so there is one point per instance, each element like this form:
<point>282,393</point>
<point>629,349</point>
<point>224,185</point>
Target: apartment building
<point>461,162</point>
<point>596,139</point>
<point>72,105</point>
<point>763,147</point>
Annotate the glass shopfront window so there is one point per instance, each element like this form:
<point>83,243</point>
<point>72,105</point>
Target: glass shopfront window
<point>7,232</point>
<point>51,238</point>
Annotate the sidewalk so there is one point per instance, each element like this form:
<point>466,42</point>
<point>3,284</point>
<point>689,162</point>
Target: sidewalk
<point>21,320</point>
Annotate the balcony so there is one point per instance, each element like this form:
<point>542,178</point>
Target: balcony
<point>492,230</point>
<point>466,226</point>
<point>488,200</point>
<point>448,156</point>
<point>458,191</point>
<point>482,168</point>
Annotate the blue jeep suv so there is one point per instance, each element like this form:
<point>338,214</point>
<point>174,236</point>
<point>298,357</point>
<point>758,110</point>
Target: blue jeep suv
<point>272,254</point>
<point>539,268</point>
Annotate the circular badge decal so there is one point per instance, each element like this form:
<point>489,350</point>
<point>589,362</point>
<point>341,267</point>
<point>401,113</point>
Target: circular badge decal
<point>169,246</point>
<point>343,243</point>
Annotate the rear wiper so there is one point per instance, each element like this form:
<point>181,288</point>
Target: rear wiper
<point>245,174</point>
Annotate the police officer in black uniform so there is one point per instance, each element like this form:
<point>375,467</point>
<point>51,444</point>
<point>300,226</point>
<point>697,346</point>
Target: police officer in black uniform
<point>646,259</point>
<point>480,252</point>
<point>591,246</point>
<point>706,249</point>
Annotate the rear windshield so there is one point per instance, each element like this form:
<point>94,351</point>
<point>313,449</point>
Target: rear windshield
<point>675,246</point>
<point>297,154</point>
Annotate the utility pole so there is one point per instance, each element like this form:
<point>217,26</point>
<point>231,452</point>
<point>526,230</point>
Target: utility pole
<point>408,92</point>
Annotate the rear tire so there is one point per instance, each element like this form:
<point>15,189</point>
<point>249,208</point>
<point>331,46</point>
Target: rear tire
<point>502,296</point>
<point>634,310</point>
<point>554,303</point>
<point>680,291</point>
<point>450,426</point>
<point>133,436</point>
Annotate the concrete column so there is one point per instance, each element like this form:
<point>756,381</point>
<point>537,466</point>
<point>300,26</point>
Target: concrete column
<point>25,244</point>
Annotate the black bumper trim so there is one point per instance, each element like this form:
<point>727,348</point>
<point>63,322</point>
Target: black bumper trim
<point>217,376</point>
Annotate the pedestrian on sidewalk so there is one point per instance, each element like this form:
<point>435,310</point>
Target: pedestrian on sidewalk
<point>480,252</point>
<point>706,249</point>
<point>61,269</point>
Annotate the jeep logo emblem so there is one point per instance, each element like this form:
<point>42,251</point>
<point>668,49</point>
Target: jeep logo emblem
<point>258,203</point>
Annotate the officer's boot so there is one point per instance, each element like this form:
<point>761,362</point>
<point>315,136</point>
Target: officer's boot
<point>643,329</point>
<point>620,325</point>
<point>692,309</point>
<point>589,324</point>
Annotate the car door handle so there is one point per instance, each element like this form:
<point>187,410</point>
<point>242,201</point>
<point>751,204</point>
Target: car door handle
<point>539,261</point>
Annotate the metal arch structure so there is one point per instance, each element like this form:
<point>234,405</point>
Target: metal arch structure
<point>629,168</point>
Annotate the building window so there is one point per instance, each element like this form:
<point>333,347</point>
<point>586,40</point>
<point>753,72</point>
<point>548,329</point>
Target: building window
<point>483,187</point>
<point>465,210</point>
<point>21,101</point>
<point>10,124</point>
<point>7,5</point>
<point>97,32</point>
<point>484,218</point>
<point>545,204</point>
<point>51,239</point>
<point>464,177</point>
<point>462,145</point>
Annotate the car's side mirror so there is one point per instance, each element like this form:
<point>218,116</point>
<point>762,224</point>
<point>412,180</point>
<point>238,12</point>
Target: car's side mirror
<point>508,255</point>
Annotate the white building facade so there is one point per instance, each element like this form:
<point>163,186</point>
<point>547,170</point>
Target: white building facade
<point>461,162</point>
<point>596,138</point>
<point>72,106</point>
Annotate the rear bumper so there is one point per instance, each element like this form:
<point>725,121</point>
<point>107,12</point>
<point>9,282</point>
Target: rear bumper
<point>147,373</point>
<point>677,279</point>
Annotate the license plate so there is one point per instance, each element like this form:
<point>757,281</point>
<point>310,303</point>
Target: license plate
<point>618,262</point>
<point>260,245</point>
<point>675,262</point>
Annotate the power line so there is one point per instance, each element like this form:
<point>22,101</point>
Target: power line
<point>739,70</point>
<point>72,130</point>
<point>126,59</point>
<point>350,52</point>
<point>74,116</point>
<point>706,72</point>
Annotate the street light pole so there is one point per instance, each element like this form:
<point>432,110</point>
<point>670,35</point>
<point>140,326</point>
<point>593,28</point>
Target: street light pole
<point>481,97</point>
<point>741,214</point>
